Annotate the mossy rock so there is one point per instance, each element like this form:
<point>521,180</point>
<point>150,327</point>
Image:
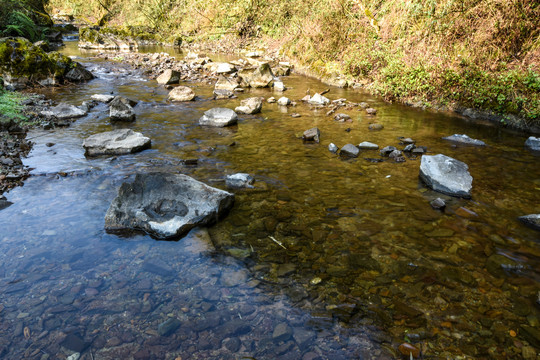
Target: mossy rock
<point>20,59</point>
<point>115,37</point>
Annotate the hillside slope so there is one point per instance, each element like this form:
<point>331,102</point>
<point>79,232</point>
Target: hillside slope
<point>482,54</point>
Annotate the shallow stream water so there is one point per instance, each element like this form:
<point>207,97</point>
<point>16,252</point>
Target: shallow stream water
<point>366,263</point>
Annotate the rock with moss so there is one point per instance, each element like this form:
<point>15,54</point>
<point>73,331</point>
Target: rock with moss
<point>23,64</point>
<point>115,38</point>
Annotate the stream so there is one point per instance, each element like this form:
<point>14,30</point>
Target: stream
<point>366,264</point>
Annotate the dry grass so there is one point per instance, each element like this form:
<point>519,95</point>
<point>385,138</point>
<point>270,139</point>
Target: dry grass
<point>479,53</point>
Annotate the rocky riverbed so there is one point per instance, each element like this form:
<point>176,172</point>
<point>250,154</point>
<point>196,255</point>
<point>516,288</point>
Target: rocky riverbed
<point>323,256</point>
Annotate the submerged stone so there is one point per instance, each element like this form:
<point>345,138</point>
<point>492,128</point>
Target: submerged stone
<point>532,220</point>
<point>168,327</point>
<point>166,205</point>
<point>464,139</point>
<point>239,180</point>
<point>446,175</point>
<point>282,332</point>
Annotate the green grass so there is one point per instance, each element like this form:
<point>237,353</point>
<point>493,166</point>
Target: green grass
<point>11,108</point>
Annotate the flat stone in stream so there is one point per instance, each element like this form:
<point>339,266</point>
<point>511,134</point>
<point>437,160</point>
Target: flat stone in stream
<point>366,145</point>
<point>446,175</point>
<point>104,98</point>
<point>65,111</point>
<point>166,205</point>
<point>464,139</point>
<point>116,142</point>
<point>219,117</point>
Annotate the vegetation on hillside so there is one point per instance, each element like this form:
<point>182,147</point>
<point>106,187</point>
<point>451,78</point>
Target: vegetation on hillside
<point>483,54</point>
<point>24,18</point>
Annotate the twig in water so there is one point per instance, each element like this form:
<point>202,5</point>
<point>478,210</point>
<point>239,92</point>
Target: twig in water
<point>277,242</point>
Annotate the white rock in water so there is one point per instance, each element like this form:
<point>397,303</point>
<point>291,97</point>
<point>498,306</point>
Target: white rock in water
<point>446,175</point>
<point>116,142</point>
<point>65,111</point>
<point>318,99</point>
<point>284,101</point>
<point>533,143</point>
<point>104,98</point>
<point>219,117</point>
<point>366,145</point>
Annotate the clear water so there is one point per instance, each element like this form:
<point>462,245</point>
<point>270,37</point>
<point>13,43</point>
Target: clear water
<point>366,263</point>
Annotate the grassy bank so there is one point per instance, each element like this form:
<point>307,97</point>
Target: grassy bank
<point>481,54</point>
<point>10,107</point>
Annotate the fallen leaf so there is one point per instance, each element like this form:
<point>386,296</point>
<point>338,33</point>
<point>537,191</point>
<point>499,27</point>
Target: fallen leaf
<point>26,332</point>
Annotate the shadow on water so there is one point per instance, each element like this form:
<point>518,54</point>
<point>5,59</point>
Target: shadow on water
<point>324,258</point>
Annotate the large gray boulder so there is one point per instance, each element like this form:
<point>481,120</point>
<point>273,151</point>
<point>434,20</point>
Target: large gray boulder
<point>464,139</point>
<point>166,205</point>
<point>533,143</point>
<point>219,117</point>
<point>250,105</point>
<point>532,220</point>
<point>65,111</point>
<point>121,110</point>
<point>446,175</point>
<point>257,77</point>
<point>181,93</point>
<point>116,142</point>
<point>169,76</point>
